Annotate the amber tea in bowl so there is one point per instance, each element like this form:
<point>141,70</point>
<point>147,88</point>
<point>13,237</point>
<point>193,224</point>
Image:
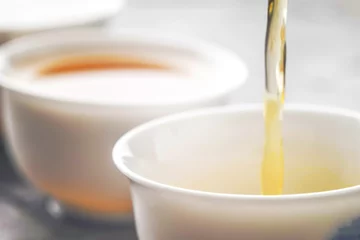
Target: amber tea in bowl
<point>68,95</point>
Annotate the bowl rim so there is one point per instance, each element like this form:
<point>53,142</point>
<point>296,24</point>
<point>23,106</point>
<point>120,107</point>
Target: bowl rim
<point>112,9</point>
<point>120,149</point>
<point>238,68</point>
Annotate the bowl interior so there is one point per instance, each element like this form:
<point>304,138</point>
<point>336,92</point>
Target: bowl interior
<point>221,150</point>
<point>214,71</point>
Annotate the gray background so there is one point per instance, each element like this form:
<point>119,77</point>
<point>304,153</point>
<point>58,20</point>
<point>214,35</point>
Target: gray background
<point>323,68</point>
<point>323,36</point>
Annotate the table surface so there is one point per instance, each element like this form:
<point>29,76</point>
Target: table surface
<point>323,68</point>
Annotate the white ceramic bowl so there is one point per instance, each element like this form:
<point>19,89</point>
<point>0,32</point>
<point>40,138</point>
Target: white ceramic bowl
<point>20,17</point>
<point>196,175</point>
<point>63,146</point>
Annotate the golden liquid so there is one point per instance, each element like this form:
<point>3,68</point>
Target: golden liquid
<point>96,62</point>
<point>273,161</point>
<point>275,62</point>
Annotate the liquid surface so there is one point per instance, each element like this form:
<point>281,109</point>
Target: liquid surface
<point>96,62</point>
<point>302,176</point>
<point>275,62</point>
<point>115,79</point>
<point>120,86</point>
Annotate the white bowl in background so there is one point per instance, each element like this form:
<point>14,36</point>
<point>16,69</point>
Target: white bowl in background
<point>20,17</point>
<point>64,144</point>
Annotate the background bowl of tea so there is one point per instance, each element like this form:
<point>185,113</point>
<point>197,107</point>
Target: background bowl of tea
<point>68,95</point>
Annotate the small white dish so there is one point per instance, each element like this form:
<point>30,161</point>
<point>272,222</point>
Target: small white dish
<point>19,17</point>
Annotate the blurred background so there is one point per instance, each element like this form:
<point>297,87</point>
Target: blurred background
<point>323,35</point>
<point>323,62</point>
<point>323,67</point>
